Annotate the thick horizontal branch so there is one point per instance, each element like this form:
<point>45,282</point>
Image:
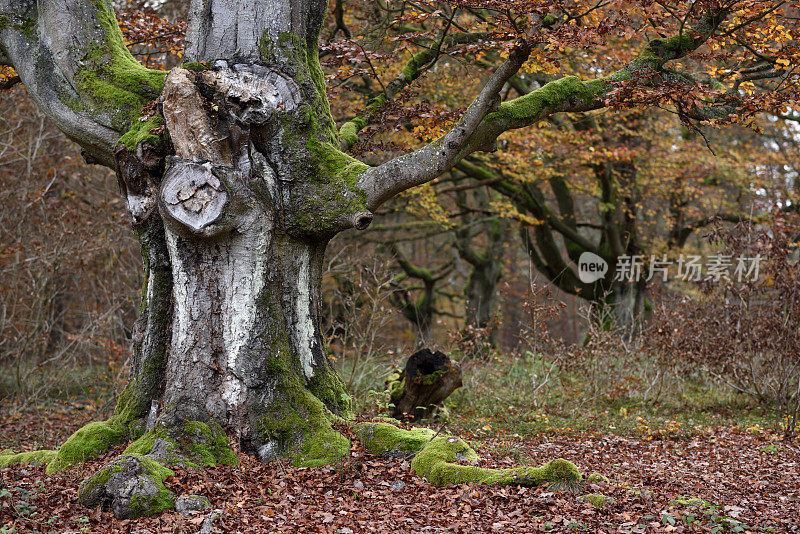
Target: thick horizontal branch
<point>413,69</point>
<point>72,59</point>
<point>484,122</point>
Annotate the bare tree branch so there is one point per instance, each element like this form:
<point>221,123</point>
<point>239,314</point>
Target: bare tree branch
<point>383,182</point>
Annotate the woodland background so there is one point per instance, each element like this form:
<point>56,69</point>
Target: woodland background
<point>473,264</point>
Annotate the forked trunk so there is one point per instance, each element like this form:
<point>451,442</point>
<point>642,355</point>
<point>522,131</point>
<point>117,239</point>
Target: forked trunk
<point>229,331</point>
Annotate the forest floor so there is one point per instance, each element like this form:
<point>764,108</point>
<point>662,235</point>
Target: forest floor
<point>715,479</point>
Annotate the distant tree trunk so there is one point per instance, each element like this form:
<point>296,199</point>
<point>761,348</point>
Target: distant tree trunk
<point>419,309</point>
<point>486,264</point>
<point>629,310</point>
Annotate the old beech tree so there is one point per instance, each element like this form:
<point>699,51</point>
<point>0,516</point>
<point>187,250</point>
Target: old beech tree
<point>236,178</point>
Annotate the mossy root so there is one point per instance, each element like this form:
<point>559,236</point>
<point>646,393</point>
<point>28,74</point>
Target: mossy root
<point>441,459</point>
<point>192,444</point>
<point>132,485</point>
<point>9,457</point>
<point>88,442</point>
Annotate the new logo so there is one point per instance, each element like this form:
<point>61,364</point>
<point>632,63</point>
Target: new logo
<point>591,267</point>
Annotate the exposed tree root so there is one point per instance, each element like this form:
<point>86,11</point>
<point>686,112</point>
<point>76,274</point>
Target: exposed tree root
<point>88,442</point>
<point>436,457</point>
<point>9,457</point>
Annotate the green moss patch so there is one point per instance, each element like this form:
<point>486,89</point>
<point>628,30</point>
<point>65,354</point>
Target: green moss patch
<point>303,427</point>
<point>328,387</point>
<point>548,97</point>
<point>87,443</point>
<point>385,439</point>
<point>140,132</point>
<point>595,499</point>
<point>441,459</point>
<point>9,458</point>
<point>111,79</point>
<point>396,386</point>
<point>192,445</point>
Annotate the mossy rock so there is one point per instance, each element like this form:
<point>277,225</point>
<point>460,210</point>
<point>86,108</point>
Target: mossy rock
<point>133,486</point>
<point>189,504</point>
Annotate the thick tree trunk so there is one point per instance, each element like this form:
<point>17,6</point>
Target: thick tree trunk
<point>629,307</point>
<point>234,201</point>
<point>244,348</point>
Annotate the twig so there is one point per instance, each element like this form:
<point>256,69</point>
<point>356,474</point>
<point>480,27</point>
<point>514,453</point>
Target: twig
<point>411,455</point>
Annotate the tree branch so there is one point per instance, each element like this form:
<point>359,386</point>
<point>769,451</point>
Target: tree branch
<point>74,63</point>
<point>413,69</point>
<point>383,182</point>
<point>479,128</point>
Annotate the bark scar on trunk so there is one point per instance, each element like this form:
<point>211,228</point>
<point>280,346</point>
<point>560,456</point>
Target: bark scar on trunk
<point>193,195</point>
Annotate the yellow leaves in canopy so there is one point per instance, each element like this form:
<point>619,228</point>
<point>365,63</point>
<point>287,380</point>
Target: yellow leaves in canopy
<point>6,73</point>
<point>423,202</point>
<point>430,130</point>
<point>540,62</point>
<point>503,207</point>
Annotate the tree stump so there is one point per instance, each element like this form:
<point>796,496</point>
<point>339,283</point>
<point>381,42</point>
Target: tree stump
<point>427,380</point>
